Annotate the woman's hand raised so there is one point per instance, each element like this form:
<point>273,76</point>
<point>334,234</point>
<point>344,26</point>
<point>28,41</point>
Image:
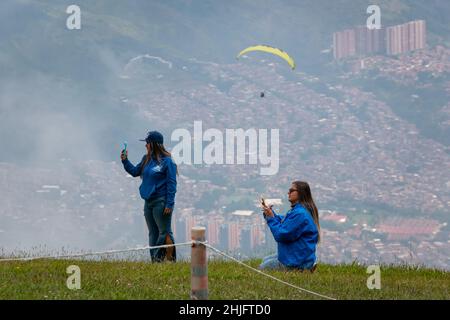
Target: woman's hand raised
<point>124,155</point>
<point>267,210</point>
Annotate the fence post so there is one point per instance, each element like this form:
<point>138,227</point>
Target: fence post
<point>199,266</point>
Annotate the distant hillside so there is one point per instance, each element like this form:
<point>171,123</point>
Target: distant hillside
<point>54,75</point>
<point>370,146</point>
<point>207,30</point>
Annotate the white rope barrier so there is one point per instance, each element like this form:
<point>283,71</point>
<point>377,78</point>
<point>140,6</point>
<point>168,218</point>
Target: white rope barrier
<point>267,275</point>
<point>205,243</point>
<point>77,255</point>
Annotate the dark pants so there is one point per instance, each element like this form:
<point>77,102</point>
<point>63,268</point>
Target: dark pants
<point>159,229</point>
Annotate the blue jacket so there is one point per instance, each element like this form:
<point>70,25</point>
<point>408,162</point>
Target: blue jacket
<point>158,179</point>
<point>296,235</point>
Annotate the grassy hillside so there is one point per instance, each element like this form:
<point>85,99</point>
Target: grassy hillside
<point>46,279</point>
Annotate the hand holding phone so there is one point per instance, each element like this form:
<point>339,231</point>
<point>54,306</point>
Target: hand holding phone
<point>124,153</point>
<point>267,210</point>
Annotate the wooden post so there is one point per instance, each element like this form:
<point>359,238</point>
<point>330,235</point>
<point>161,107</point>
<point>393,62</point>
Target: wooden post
<point>199,266</point>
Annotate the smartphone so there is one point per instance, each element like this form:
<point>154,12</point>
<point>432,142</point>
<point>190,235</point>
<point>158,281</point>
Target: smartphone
<point>124,151</point>
<point>263,202</point>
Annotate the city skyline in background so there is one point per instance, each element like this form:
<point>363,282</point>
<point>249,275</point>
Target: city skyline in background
<point>391,40</point>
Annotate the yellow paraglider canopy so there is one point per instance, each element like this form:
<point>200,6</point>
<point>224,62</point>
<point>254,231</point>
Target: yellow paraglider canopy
<point>272,50</point>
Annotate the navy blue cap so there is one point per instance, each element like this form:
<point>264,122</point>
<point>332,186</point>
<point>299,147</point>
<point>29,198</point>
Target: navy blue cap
<point>154,136</point>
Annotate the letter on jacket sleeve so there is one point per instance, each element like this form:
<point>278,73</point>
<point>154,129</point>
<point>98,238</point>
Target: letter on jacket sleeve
<point>171,183</point>
<point>290,229</point>
<point>133,170</point>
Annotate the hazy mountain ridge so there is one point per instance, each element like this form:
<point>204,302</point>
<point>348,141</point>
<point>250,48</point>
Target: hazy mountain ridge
<point>78,95</point>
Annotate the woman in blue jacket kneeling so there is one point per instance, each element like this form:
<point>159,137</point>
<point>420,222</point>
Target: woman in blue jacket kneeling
<point>296,233</point>
<point>159,185</point>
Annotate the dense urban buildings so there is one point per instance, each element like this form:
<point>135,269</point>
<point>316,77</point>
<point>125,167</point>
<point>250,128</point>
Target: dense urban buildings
<point>391,40</point>
<point>406,37</point>
<point>344,44</point>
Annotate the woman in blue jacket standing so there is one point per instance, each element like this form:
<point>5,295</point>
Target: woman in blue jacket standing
<point>159,184</point>
<point>296,233</point>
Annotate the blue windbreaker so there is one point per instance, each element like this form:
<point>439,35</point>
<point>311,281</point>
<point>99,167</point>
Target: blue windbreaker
<point>158,179</point>
<point>296,235</point>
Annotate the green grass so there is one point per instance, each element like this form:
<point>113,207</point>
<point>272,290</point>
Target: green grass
<point>46,279</point>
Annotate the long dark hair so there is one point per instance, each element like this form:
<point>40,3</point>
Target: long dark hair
<point>305,198</point>
<point>157,151</point>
